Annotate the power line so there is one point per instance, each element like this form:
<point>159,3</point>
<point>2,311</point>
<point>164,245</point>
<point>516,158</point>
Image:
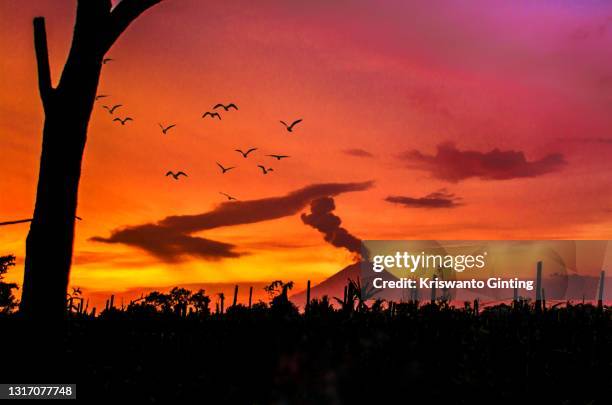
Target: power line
<point>20,221</point>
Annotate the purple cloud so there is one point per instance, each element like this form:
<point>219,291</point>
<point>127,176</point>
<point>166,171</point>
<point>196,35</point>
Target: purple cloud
<point>452,164</point>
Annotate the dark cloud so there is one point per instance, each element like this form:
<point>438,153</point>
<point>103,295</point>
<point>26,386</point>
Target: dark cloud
<point>322,219</point>
<point>452,164</point>
<point>170,239</point>
<point>439,199</point>
<point>358,153</point>
<point>169,244</point>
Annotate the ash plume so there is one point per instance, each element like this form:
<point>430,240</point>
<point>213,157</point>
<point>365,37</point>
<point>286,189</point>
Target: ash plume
<point>321,218</point>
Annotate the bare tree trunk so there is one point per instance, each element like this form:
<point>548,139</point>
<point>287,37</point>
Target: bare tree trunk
<point>67,109</point>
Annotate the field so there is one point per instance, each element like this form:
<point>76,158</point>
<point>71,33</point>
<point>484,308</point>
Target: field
<point>271,354</point>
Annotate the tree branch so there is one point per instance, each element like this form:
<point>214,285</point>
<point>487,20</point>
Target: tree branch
<point>92,18</point>
<point>123,14</point>
<point>42,61</point>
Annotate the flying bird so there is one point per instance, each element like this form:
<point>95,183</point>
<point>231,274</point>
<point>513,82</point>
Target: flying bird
<point>245,154</point>
<point>176,175</point>
<point>99,96</point>
<point>166,129</point>
<point>229,197</point>
<point>224,169</point>
<point>226,107</point>
<point>278,157</point>
<point>264,170</point>
<point>106,60</point>
<point>112,109</point>
<point>76,291</point>
<point>290,127</point>
<point>123,121</point>
<point>211,115</point>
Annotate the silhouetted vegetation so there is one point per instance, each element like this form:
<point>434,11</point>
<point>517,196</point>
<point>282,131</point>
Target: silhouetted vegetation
<point>7,300</point>
<point>172,347</point>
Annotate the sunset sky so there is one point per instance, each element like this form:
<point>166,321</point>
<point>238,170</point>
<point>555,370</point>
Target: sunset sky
<point>429,120</point>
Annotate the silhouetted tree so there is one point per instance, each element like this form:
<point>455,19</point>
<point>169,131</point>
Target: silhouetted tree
<point>278,287</point>
<point>280,304</point>
<point>179,299</point>
<point>67,109</point>
<point>159,300</point>
<point>200,302</point>
<point>7,299</point>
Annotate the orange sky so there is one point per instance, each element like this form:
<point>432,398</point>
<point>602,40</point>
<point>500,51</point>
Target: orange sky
<point>386,77</point>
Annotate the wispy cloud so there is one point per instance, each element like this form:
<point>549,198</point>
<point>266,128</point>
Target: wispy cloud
<point>438,199</point>
<point>357,152</point>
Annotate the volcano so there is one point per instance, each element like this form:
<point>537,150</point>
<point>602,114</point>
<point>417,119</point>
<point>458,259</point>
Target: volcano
<point>333,286</point>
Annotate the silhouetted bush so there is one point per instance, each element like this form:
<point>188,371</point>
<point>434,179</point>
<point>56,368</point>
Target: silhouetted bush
<point>8,301</point>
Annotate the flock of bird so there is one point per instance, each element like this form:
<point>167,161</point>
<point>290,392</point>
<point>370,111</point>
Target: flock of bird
<point>213,114</point>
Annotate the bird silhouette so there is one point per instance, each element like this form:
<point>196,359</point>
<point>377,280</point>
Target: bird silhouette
<point>278,157</point>
<point>106,60</point>
<point>224,169</point>
<point>264,170</point>
<point>290,127</point>
<point>211,115</point>
<point>123,121</point>
<point>226,107</point>
<point>166,129</point>
<point>176,175</point>
<point>229,197</point>
<point>245,154</point>
<point>76,291</point>
<point>99,96</point>
<point>112,109</point>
